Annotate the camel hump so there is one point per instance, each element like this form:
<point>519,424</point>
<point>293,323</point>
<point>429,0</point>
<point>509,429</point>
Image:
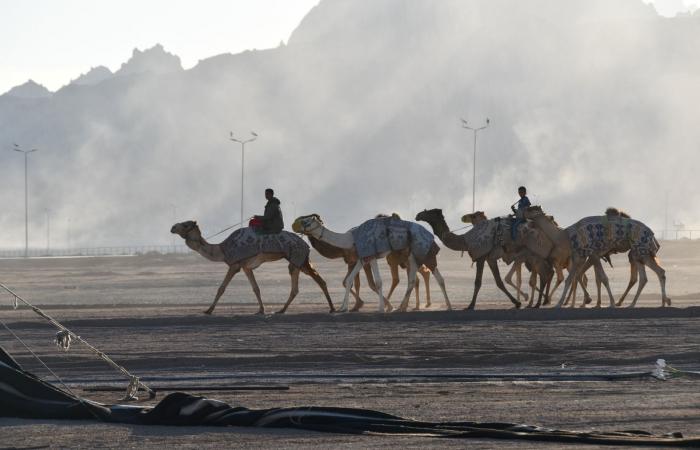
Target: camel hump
<point>615,212</point>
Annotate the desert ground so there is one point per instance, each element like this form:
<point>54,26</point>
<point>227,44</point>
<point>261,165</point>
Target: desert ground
<point>492,364</point>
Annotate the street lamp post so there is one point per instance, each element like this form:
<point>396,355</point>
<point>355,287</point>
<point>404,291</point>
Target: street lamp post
<point>476,131</point>
<point>17,148</point>
<point>243,143</point>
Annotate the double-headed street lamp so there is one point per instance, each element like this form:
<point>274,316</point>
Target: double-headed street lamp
<point>17,148</point>
<point>243,143</point>
<point>476,131</point>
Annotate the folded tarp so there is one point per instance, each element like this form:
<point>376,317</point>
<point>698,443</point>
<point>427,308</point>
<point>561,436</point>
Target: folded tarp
<point>24,395</point>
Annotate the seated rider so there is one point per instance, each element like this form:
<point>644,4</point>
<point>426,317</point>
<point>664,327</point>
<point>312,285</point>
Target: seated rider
<point>272,221</point>
<point>523,203</point>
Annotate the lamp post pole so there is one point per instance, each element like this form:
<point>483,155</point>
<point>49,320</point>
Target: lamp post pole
<point>465,125</point>
<point>243,143</point>
<point>17,148</point>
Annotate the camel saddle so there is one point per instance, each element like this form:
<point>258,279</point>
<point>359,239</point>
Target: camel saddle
<point>385,234</point>
<point>245,243</point>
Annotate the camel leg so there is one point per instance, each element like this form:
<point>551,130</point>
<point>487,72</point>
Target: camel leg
<point>544,281</point>
<point>256,288</point>
<point>633,279</point>
<point>370,279</point>
<point>560,279</point>
<point>533,288</point>
<point>358,301</point>
<point>412,269</point>
<point>653,264</point>
<point>642,282</point>
<point>441,282</point>
<point>309,270</point>
<point>601,277</point>
<point>477,281</point>
<point>516,269</point>
<point>493,265</point>
<point>394,267</point>
<point>574,273</point>
<point>378,283</point>
<point>417,289</point>
<point>232,270</point>
<point>347,282</point>
<point>294,274</point>
<point>426,278</point>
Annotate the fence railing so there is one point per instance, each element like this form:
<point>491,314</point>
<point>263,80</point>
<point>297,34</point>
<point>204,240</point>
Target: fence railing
<point>125,250</point>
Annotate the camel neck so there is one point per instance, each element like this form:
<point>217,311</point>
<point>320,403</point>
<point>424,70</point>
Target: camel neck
<point>451,240</point>
<point>553,232</point>
<point>212,252</point>
<point>341,240</point>
<point>325,249</point>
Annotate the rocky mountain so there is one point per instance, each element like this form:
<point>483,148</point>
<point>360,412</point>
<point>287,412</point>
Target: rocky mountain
<point>592,104</point>
<point>29,90</point>
<point>94,76</point>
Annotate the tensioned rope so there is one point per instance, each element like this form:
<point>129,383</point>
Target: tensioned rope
<point>64,337</point>
<point>225,229</point>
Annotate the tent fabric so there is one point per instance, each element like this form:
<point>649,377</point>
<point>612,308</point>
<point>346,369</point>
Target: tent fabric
<point>26,396</point>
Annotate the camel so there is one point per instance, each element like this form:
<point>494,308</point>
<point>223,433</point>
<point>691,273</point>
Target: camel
<point>480,248</point>
<point>398,259</point>
<point>394,260</point>
<point>192,235</point>
<point>312,225</point>
<point>624,234</point>
<point>332,252</point>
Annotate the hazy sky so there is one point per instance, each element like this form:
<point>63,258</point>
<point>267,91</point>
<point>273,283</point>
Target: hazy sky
<point>53,42</point>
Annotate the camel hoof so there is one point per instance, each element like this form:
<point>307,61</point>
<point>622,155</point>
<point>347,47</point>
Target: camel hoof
<point>469,308</point>
<point>428,305</point>
<point>416,309</point>
<point>261,312</point>
<point>331,311</point>
<point>208,312</point>
<point>281,311</point>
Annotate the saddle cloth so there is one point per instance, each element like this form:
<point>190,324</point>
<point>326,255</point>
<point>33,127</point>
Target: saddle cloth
<point>602,235</point>
<point>244,243</point>
<point>385,234</point>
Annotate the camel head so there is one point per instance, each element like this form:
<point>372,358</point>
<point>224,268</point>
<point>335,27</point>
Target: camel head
<point>186,229</point>
<point>430,215</point>
<point>304,224</point>
<point>532,212</point>
<point>474,217</point>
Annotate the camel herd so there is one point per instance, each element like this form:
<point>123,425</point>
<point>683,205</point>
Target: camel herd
<point>540,245</point>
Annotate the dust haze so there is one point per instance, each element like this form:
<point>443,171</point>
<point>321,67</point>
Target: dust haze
<point>592,103</point>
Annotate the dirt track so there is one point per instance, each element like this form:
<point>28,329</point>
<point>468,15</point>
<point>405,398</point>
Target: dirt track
<point>145,313</point>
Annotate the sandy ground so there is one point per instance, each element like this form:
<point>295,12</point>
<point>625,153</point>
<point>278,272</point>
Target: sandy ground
<point>145,312</point>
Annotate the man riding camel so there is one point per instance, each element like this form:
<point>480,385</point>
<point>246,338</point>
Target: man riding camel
<point>523,203</point>
<point>272,221</point>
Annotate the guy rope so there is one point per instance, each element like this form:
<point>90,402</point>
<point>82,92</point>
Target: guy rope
<point>64,338</point>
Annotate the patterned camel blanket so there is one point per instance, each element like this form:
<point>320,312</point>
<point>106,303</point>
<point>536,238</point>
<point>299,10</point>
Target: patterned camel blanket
<point>384,234</point>
<point>487,235</point>
<point>245,243</point>
<point>602,235</point>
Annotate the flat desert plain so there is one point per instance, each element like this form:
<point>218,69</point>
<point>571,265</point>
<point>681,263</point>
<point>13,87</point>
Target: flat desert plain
<point>492,364</point>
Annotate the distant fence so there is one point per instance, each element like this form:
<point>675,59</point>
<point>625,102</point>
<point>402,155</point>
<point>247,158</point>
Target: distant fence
<point>674,235</point>
<point>129,250</point>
